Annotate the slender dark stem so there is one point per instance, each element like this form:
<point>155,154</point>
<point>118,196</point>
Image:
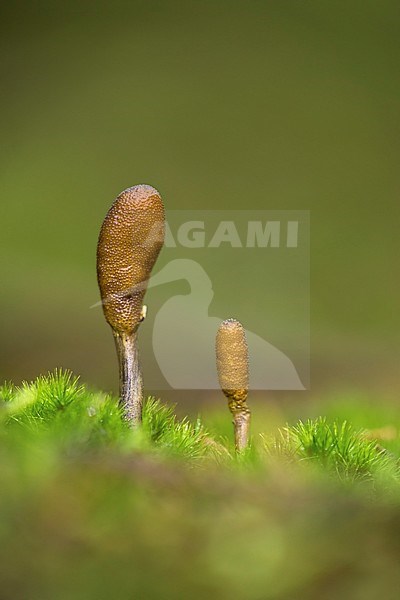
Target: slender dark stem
<point>130,377</point>
<point>241,423</point>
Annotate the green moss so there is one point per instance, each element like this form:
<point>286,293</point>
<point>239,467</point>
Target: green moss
<point>91,509</point>
<point>336,447</point>
<point>56,407</point>
<point>58,410</point>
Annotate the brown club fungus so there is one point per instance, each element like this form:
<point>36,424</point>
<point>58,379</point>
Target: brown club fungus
<point>130,240</point>
<point>233,375</point>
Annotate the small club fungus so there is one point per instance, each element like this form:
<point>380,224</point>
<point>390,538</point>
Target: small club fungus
<point>130,240</point>
<point>233,375</point>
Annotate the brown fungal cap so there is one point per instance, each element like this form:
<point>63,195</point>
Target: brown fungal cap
<point>130,240</point>
<point>232,360</point>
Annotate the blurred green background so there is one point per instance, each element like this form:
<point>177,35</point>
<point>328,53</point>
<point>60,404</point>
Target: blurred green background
<point>229,105</point>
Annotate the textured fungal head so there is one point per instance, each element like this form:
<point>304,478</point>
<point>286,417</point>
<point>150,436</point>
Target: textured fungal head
<point>232,360</point>
<point>130,240</point>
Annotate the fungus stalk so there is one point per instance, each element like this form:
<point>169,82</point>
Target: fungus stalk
<point>233,375</point>
<point>130,240</point>
<point>130,376</point>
